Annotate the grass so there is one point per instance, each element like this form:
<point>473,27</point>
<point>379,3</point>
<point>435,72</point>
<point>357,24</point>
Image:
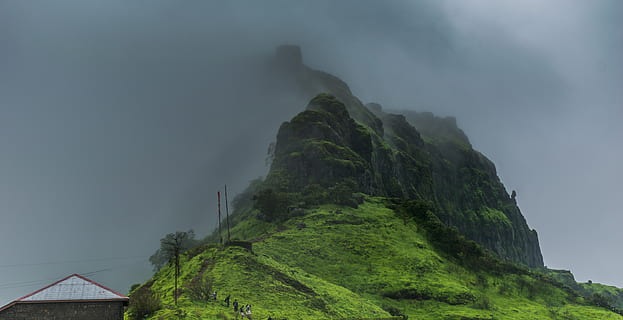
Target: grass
<point>344,263</point>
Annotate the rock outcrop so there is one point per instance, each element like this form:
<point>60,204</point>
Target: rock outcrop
<point>338,142</point>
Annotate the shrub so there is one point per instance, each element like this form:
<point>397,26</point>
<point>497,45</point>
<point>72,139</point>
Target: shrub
<point>458,298</point>
<point>395,312</point>
<point>314,194</point>
<point>505,289</point>
<point>409,294</point>
<point>483,302</point>
<point>481,281</point>
<point>342,193</point>
<point>200,290</point>
<point>143,303</point>
<point>272,205</point>
<point>134,286</point>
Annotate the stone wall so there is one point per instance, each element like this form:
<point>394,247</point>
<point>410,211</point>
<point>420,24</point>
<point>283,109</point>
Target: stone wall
<point>64,311</point>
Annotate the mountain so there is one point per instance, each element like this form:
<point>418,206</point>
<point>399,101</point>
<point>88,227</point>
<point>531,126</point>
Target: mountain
<point>408,155</point>
<point>368,214</point>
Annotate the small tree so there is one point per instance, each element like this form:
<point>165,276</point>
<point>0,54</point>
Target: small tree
<point>171,246</point>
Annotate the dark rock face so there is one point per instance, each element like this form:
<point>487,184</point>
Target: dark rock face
<point>322,145</point>
<point>472,198</point>
<point>410,155</point>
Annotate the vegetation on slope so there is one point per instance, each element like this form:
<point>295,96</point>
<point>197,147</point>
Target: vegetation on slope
<point>600,294</point>
<point>338,262</point>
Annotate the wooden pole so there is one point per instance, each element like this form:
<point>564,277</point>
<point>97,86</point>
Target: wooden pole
<point>218,196</point>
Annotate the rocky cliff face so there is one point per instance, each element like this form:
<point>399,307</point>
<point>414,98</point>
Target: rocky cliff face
<point>340,144</point>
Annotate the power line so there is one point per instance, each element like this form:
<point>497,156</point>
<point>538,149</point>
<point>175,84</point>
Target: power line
<point>88,274</point>
<point>68,261</point>
<point>22,284</point>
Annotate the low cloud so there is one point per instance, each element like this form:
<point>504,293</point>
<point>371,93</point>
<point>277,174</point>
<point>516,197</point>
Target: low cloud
<point>120,120</point>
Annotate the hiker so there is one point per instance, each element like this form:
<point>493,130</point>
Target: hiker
<point>227,300</point>
<point>247,312</point>
<point>235,305</point>
<point>214,295</point>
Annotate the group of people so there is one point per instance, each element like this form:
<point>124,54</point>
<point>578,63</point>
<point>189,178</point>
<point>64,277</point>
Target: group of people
<point>243,311</point>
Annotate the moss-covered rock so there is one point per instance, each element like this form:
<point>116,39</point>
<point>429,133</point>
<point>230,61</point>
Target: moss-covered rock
<point>414,155</point>
<point>321,146</point>
<point>324,146</point>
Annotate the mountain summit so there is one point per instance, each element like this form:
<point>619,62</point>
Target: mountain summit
<point>338,142</point>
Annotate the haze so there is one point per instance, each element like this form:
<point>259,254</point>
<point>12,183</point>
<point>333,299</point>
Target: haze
<point>119,120</point>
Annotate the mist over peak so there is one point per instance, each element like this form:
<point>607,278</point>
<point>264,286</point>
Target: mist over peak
<point>119,121</point>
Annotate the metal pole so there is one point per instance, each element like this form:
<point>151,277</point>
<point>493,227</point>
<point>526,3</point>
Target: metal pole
<point>177,270</point>
<point>227,212</point>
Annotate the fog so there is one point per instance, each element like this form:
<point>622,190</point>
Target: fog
<point>119,120</point>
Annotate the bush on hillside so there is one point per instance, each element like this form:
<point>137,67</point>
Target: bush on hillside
<point>134,287</point>
<point>396,312</point>
<point>342,193</point>
<point>200,290</point>
<point>272,205</point>
<point>483,302</point>
<point>143,303</point>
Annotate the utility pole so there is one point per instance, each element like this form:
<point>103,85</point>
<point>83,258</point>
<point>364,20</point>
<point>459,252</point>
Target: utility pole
<point>227,212</point>
<point>177,267</point>
<point>218,196</point>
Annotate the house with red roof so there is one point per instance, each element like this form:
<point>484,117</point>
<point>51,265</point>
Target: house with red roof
<point>71,298</point>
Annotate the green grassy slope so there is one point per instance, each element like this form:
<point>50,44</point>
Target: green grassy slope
<point>270,287</point>
<point>340,263</point>
<point>600,294</point>
<point>610,294</point>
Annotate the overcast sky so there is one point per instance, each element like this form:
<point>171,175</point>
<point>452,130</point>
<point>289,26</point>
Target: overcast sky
<point>119,120</point>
